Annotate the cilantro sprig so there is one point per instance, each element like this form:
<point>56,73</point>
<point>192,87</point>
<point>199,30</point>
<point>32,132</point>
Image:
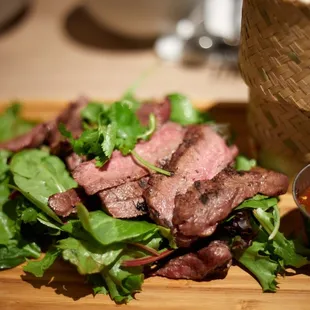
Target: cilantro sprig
<point>111,127</point>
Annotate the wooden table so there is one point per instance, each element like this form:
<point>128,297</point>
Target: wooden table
<point>58,52</point>
<point>63,288</point>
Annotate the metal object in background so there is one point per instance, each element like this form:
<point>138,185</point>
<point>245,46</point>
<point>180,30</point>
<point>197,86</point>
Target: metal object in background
<point>210,32</point>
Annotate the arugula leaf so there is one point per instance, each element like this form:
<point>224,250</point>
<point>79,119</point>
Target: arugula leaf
<point>39,175</point>
<point>11,124</point>
<point>38,268</point>
<point>183,112</point>
<point>108,230</point>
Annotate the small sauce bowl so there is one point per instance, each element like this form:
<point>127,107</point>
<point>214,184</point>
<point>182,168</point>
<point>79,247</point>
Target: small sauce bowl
<point>300,184</point>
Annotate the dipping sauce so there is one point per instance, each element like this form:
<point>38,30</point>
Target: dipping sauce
<point>304,199</point>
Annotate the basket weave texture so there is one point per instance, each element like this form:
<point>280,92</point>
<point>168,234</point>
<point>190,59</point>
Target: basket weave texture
<point>275,63</point>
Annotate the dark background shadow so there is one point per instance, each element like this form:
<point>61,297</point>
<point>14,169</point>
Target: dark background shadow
<point>16,19</point>
<point>83,29</point>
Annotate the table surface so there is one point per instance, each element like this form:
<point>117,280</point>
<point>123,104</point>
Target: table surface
<point>63,288</point>
<point>57,52</point>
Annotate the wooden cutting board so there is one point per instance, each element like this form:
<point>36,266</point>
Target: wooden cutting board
<point>63,288</point>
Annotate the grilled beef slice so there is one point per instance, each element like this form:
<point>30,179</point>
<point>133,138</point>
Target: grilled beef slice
<point>31,139</point>
<point>212,259</point>
<point>48,132</point>
<point>161,112</point>
<point>71,118</point>
<point>64,203</point>
<point>198,211</point>
<point>121,169</point>
<point>73,160</point>
<point>201,156</point>
<point>125,201</point>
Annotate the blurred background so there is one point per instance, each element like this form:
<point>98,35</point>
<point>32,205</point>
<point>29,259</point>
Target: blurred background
<point>62,49</point>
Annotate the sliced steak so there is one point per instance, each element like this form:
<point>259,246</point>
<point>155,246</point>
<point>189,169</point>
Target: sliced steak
<point>32,139</point>
<point>213,259</point>
<point>71,118</point>
<point>125,201</point>
<point>64,203</point>
<point>120,169</point>
<point>161,112</point>
<point>73,160</point>
<point>48,132</point>
<point>206,203</point>
<point>201,156</point>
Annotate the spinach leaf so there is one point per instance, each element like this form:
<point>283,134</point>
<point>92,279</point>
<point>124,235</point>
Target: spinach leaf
<point>39,175</point>
<point>88,257</point>
<point>108,230</point>
<point>183,112</point>
<point>38,268</point>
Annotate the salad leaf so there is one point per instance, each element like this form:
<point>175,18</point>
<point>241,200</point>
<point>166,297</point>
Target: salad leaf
<point>108,230</point>
<point>257,261</point>
<point>266,258</point>
<point>38,268</point>
<point>243,163</point>
<point>15,253</point>
<point>11,123</point>
<point>91,112</point>
<point>89,257</point>
<point>39,175</point>
<point>109,127</point>
<point>97,282</point>
<point>183,112</point>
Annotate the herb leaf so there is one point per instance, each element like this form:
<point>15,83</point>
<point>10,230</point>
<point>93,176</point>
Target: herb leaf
<point>183,112</point>
<point>39,175</point>
<point>38,268</point>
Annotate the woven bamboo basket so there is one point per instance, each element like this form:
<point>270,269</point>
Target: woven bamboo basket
<point>275,63</point>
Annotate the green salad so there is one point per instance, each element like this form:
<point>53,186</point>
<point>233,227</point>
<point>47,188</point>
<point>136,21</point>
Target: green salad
<point>112,253</point>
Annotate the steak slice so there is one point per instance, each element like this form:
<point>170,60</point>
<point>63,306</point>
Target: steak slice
<point>48,132</point>
<point>73,160</point>
<point>32,139</point>
<point>161,112</point>
<point>206,203</point>
<point>71,118</point>
<point>121,169</point>
<point>201,156</point>
<point>214,259</point>
<point>125,201</point>
<point>64,203</point>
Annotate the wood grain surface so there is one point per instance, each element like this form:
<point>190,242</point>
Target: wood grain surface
<point>62,287</point>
